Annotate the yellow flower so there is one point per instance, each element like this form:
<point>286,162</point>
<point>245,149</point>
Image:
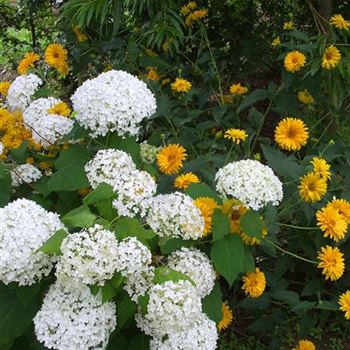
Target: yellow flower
<point>227,317</point>
<point>331,57</point>
<point>338,21</point>
<point>305,345</point>
<point>276,42</point>
<point>44,166</point>
<point>344,302</point>
<point>321,167</point>
<point>332,262</point>
<point>342,207</point>
<point>294,61</point>
<point>56,56</point>
<point>207,207</point>
<point>331,223</point>
<point>289,25</point>
<point>6,119</point>
<point>60,108</point>
<point>63,68</point>
<point>238,89</point>
<point>228,99</point>
<point>236,135</point>
<point>312,187</point>
<point>254,283</point>
<point>235,210</point>
<point>4,88</point>
<point>150,53</point>
<point>186,9</point>
<point>291,134</point>
<point>166,46</point>
<point>305,97</point>
<point>30,160</point>
<point>81,37</point>
<point>27,62</point>
<point>195,16</point>
<point>170,158</point>
<point>152,74</point>
<point>184,180</point>
<point>165,81</point>
<point>181,85</point>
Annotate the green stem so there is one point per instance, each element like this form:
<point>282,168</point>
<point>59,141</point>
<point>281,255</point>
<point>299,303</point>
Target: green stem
<point>297,227</point>
<point>229,152</point>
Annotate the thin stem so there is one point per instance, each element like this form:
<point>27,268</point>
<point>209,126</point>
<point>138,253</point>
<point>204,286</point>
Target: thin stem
<point>297,227</point>
<point>323,133</point>
<point>229,152</point>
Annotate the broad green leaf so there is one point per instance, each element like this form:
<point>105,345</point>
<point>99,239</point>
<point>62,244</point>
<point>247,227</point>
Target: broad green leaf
<point>126,309</point>
<point>163,274</point>
<point>255,96</point>
<point>250,223</point>
<point>108,291</point>
<point>75,154</point>
<point>53,245</point>
<point>227,255</point>
<point>201,190</point>
<point>221,225</point>
<point>5,185</point>
<point>139,342</point>
<point>212,304</point>
<point>328,305</point>
<point>127,144</point>
<point>142,302</point>
<point>106,210</point>
<point>79,217</point>
<point>101,192</point>
<point>20,153</point>
<point>168,245</point>
<point>287,296</point>
<point>304,305</point>
<point>249,261</point>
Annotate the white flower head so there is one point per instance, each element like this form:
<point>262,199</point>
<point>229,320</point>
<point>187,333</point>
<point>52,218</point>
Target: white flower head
<point>22,90</point>
<point>1,148</point>
<point>113,101</point>
<point>148,153</point>
<point>74,319</point>
<point>175,215</point>
<point>251,182</point>
<point>195,264</point>
<point>88,257</point>
<point>24,228</point>
<point>25,173</point>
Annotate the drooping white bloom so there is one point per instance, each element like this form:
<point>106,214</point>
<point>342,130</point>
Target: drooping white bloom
<point>195,264</point>
<point>133,256</point>
<point>25,173</point>
<point>24,228</point>
<point>46,128</point>
<point>251,182</point>
<point>202,335</point>
<point>88,257</point>
<point>74,319</point>
<point>172,307</point>
<point>175,215</point>
<point>114,101</point>
<point>1,148</point>
<point>22,90</point>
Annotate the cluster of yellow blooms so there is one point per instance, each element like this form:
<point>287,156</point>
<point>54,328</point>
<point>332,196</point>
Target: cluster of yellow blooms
<point>339,22</point>
<point>192,15</point>
<point>305,97</point>
<point>28,61</point>
<point>238,89</point>
<point>4,88</point>
<point>81,37</point>
<point>152,74</point>
<point>181,85</point>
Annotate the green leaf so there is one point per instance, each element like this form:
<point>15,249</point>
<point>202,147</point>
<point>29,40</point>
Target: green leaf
<point>101,192</point>
<point>227,255</point>
<point>249,262</point>
<point>106,210</point>
<point>75,154</point>
<point>201,190</point>
<point>328,305</point>
<point>108,292</point>
<point>142,302</point>
<point>53,245</point>
<point>304,305</point>
<point>139,342</point>
<point>250,223</point>
<point>79,217</point>
<point>212,304</point>
<point>221,225</point>
<point>163,274</point>
<point>125,312</point>
<point>5,185</point>
<point>127,144</point>
<point>255,96</point>
<point>287,296</point>
<point>21,153</point>
<point>168,245</point>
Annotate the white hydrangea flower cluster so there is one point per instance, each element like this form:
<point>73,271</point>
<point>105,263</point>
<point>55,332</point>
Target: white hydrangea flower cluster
<point>22,90</point>
<point>251,182</point>
<point>175,215</point>
<point>74,319</point>
<point>1,148</point>
<point>202,335</point>
<point>88,257</point>
<point>24,228</point>
<point>133,187</point>
<point>25,173</point>
<point>195,264</point>
<point>148,153</point>
<point>113,101</point>
<point>46,128</point>
<point>172,307</point>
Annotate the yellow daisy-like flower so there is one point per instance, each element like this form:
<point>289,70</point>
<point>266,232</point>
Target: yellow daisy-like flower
<point>27,62</point>
<point>170,158</point>
<point>207,207</point>
<point>332,262</point>
<point>294,61</point>
<point>248,240</point>
<point>4,88</point>
<point>291,134</point>
<point>236,135</point>
<point>338,21</point>
<point>150,53</point>
<point>254,283</point>
<point>152,74</point>
<point>289,25</point>
<point>305,97</point>
<point>312,187</point>
<point>181,85</point>
<point>7,120</point>
<point>195,16</point>
<point>342,207</point>
<point>305,345</point>
<point>276,42</point>
<point>344,303</point>
<point>331,223</point>
<point>235,210</point>
<point>331,57</point>
<point>166,46</point>
<point>321,167</point>
<point>56,56</point>
<point>186,9</point>
<point>30,160</point>
<point>184,180</point>
<point>81,37</point>
<point>60,108</point>
<point>238,89</point>
<point>227,317</point>
<point>44,166</point>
